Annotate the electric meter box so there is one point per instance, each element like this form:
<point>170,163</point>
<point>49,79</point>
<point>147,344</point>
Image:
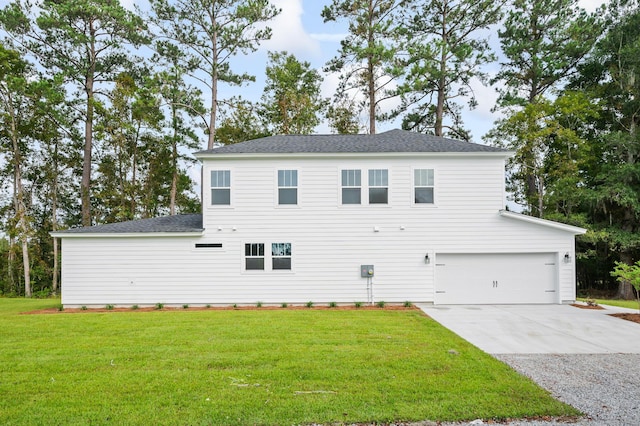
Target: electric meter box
<point>366,271</point>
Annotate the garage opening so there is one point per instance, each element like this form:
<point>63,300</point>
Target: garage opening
<point>496,278</point>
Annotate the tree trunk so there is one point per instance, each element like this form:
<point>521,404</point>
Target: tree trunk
<point>214,88</point>
<point>18,199</point>
<point>174,164</point>
<point>370,75</point>
<point>85,185</point>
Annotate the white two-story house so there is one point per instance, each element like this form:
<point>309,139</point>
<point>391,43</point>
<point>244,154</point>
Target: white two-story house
<point>393,217</point>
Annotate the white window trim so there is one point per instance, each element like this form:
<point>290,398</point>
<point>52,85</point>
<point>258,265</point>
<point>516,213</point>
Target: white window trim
<point>367,187</point>
<point>207,195</point>
<point>268,258</point>
<point>276,192</point>
<point>363,189</point>
<point>435,188</point>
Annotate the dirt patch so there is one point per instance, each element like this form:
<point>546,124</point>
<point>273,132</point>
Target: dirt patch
<point>628,317</point>
<point>388,307</point>
<point>581,306</point>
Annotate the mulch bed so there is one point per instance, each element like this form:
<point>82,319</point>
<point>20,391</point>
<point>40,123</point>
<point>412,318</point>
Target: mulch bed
<point>387,307</point>
<point>578,305</point>
<point>628,317</point>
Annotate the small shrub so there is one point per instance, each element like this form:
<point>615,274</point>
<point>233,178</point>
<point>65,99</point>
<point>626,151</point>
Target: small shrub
<point>109,307</point>
<point>159,306</point>
<point>333,304</point>
<point>309,304</point>
<point>380,304</point>
<point>235,306</point>
<point>134,307</point>
<point>185,306</point>
<point>60,308</point>
<point>259,305</point>
<point>358,304</point>
<point>408,304</point>
<point>83,308</point>
<point>592,302</point>
<point>208,306</point>
<point>284,305</point>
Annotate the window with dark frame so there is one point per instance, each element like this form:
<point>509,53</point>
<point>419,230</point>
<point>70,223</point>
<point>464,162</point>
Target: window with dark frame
<point>378,186</point>
<point>287,187</point>
<point>220,187</point>
<point>423,186</point>
<point>351,187</point>
<point>254,256</point>
<point>281,256</point>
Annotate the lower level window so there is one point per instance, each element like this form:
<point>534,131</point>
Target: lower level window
<point>254,256</point>
<point>281,255</point>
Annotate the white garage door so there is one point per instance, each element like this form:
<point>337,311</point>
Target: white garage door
<point>496,278</point>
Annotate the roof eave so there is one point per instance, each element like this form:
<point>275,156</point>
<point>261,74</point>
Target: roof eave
<point>543,222</point>
<point>62,234</point>
<point>269,155</point>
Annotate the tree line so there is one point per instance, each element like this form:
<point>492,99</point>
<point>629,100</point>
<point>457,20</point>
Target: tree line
<point>101,106</point>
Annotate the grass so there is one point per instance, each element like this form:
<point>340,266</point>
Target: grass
<point>631,304</point>
<point>238,367</point>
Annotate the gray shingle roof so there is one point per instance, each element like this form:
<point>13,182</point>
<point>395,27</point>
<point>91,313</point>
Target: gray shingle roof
<point>391,141</point>
<point>178,223</point>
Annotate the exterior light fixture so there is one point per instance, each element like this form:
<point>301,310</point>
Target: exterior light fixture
<point>426,259</point>
<point>567,258</point>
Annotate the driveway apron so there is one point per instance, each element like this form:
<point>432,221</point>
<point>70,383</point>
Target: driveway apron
<point>539,329</point>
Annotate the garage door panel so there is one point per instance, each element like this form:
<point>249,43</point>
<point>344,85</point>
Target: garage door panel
<point>496,278</point>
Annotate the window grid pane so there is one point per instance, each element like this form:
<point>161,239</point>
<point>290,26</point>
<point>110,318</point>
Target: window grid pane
<point>378,177</point>
<point>281,256</point>
<point>351,178</point>
<point>423,186</point>
<point>220,178</point>
<point>287,178</point>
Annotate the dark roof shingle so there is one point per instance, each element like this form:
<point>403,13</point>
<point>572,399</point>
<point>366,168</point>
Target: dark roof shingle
<point>391,141</point>
<point>178,223</point>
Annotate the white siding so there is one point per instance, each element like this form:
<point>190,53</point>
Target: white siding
<point>329,241</point>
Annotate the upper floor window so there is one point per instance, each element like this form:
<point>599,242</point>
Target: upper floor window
<point>254,256</point>
<point>281,255</point>
<point>379,186</point>
<point>351,187</point>
<point>423,186</point>
<point>220,187</point>
<point>287,187</point>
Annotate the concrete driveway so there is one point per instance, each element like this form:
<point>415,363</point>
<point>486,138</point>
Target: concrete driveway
<point>539,329</point>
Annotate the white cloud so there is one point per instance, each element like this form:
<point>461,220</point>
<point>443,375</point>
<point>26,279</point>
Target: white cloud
<point>289,33</point>
<point>590,5</point>
<point>330,37</point>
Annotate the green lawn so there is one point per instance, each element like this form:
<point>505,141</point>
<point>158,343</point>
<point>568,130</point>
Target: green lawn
<point>631,304</point>
<point>245,367</point>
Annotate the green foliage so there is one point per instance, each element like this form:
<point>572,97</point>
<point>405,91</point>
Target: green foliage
<point>358,304</point>
<point>543,42</point>
<point>407,304</point>
<point>443,54</point>
<point>209,34</point>
<point>135,307</point>
<point>109,307</point>
<point>354,354</point>
<point>380,304</point>
<point>159,306</point>
<point>309,304</point>
<point>367,54</point>
<point>291,102</point>
<point>629,274</point>
<point>240,122</point>
<point>284,305</point>
<point>83,308</point>
<point>185,306</point>
<point>259,305</point>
